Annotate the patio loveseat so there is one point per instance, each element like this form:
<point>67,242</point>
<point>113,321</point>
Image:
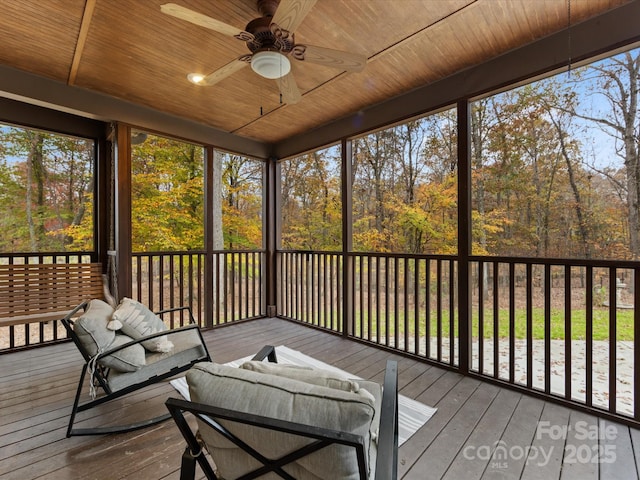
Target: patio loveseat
<point>126,349</point>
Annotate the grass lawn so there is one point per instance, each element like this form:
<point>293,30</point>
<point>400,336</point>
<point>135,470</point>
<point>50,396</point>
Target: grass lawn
<point>578,324</point>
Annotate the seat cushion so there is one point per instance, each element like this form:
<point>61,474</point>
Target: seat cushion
<point>138,321</point>
<point>188,349</point>
<point>282,398</point>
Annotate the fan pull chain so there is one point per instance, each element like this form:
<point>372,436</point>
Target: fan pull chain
<point>280,81</point>
<point>260,110</point>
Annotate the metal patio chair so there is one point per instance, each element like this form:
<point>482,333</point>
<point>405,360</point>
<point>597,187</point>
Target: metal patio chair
<point>244,443</point>
<point>108,382</point>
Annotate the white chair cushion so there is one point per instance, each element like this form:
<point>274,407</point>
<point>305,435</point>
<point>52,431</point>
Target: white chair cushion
<point>282,398</point>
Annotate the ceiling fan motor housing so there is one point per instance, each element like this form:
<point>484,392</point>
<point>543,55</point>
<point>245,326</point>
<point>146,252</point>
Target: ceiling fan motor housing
<point>268,36</point>
<point>271,44</point>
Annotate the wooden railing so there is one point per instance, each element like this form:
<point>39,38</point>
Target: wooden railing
<point>568,330</point>
<point>404,302</point>
<point>407,303</point>
<point>163,280</point>
<point>169,279</point>
<point>309,288</point>
<point>234,291</point>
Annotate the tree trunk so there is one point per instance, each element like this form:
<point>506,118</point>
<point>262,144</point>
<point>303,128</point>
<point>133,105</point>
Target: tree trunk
<point>35,175</point>
<point>477,126</point>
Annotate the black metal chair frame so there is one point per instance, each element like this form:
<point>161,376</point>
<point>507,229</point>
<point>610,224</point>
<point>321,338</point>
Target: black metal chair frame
<point>387,458</point>
<point>100,375</point>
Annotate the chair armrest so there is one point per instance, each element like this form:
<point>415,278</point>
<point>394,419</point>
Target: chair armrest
<point>152,336</point>
<point>178,309</point>
<point>387,461</point>
<point>211,416</point>
<point>67,318</point>
<point>268,352</point>
<point>67,322</point>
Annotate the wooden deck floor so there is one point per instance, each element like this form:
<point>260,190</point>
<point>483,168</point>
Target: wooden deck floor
<point>473,418</point>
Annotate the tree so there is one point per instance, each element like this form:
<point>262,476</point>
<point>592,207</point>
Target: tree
<point>561,122</point>
<point>241,201</point>
<point>480,129</point>
<point>374,154</point>
<point>617,80</point>
<point>167,195</point>
<point>47,180</point>
<point>311,204</point>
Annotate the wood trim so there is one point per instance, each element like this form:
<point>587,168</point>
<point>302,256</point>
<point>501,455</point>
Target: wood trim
<point>272,234</point>
<point>44,92</point>
<point>82,38</point>
<point>123,210</point>
<point>102,194</point>
<point>209,158</point>
<point>464,235</point>
<point>346,152</point>
<point>33,116</point>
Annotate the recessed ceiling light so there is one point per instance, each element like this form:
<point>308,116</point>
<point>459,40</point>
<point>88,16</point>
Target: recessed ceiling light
<point>195,78</point>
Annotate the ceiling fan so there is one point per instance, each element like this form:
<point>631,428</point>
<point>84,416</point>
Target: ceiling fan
<point>270,40</point>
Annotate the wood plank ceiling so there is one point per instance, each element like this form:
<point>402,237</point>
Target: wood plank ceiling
<point>128,49</point>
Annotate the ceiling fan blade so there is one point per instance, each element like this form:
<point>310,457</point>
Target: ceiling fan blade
<point>291,13</point>
<point>353,62</point>
<point>196,18</point>
<point>223,72</point>
<point>289,89</point>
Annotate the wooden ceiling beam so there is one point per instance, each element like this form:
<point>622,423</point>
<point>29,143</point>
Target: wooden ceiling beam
<point>45,92</point>
<point>89,7</point>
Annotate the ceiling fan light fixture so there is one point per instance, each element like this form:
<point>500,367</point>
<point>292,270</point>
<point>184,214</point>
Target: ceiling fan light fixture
<point>269,64</point>
<point>195,78</point>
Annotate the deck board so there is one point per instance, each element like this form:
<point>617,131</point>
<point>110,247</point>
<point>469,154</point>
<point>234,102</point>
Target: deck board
<point>471,461</point>
<point>572,467</point>
<point>37,387</point>
<point>548,447</point>
<point>615,451</point>
<point>439,455</point>
<point>508,462</point>
<point>457,391</point>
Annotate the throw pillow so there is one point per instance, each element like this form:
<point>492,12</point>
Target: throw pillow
<point>138,321</point>
<point>315,376</point>
<point>94,336</point>
<point>91,327</point>
<point>128,359</point>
